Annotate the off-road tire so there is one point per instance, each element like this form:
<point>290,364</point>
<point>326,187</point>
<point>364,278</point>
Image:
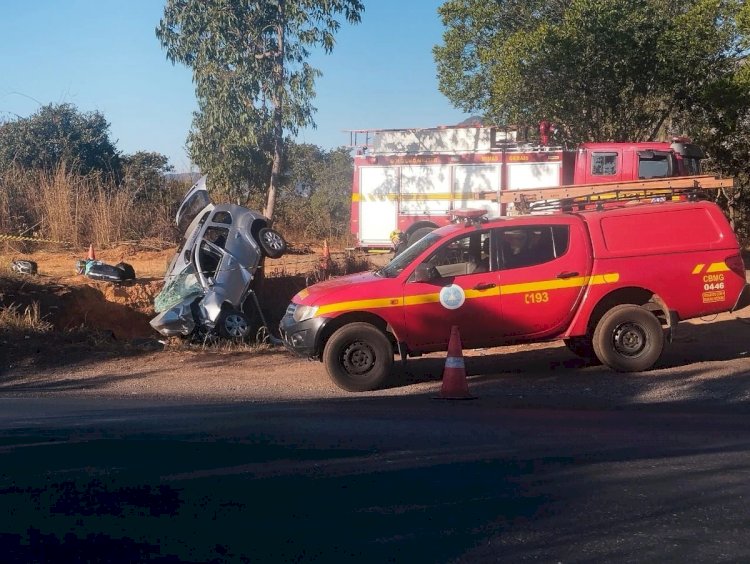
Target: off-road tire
<point>582,347</point>
<point>628,338</point>
<point>127,270</point>
<point>271,243</point>
<point>358,357</point>
<point>233,324</point>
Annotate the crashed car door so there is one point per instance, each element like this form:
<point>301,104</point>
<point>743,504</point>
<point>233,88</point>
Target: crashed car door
<point>196,202</point>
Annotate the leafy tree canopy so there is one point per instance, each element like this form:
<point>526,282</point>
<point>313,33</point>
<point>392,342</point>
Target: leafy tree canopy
<point>59,134</point>
<point>316,194</point>
<point>601,70</point>
<point>144,172</point>
<point>252,79</point>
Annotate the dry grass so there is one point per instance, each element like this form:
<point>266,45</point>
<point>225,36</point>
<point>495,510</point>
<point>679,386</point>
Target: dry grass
<point>15,319</point>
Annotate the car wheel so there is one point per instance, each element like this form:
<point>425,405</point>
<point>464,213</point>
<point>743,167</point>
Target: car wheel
<point>581,346</point>
<point>358,357</point>
<point>628,338</point>
<point>233,324</point>
<point>127,270</point>
<point>418,234</point>
<point>271,242</point>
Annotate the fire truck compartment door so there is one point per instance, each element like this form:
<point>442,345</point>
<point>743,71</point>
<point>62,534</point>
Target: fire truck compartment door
<point>471,183</point>
<point>425,189</point>
<point>378,204</point>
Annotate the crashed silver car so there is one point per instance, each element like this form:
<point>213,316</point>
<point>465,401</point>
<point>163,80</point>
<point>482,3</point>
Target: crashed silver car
<point>208,288</point>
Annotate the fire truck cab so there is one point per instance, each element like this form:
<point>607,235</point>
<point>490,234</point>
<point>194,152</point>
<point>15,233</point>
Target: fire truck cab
<point>409,181</point>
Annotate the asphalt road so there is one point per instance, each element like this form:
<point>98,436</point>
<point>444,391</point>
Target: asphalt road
<point>370,479</point>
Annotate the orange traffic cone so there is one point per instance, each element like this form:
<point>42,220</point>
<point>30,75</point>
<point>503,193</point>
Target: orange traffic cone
<point>455,385</point>
<point>92,254</point>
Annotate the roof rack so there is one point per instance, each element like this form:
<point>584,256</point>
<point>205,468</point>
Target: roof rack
<point>593,196</point>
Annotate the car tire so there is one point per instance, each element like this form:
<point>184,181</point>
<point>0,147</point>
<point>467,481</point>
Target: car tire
<point>233,324</point>
<point>358,357</point>
<point>582,347</point>
<point>127,270</point>
<point>628,338</point>
<point>271,243</point>
<point>418,234</point>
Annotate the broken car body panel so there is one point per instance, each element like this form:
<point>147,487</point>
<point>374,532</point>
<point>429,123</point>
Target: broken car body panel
<point>214,267</point>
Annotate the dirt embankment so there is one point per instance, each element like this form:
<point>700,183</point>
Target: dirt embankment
<point>71,301</point>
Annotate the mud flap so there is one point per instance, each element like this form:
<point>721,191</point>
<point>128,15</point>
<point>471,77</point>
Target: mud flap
<point>672,320</point>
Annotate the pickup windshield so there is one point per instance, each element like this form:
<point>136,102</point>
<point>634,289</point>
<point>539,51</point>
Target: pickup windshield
<point>394,268</point>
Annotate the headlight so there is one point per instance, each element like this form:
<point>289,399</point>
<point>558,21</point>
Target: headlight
<point>304,312</point>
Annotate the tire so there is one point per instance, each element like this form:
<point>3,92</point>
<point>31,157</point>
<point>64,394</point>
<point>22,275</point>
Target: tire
<point>127,270</point>
<point>628,338</point>
<point>581,346</point>
<point>358,357</point>
<point>271,243</point>
<point>418,234</point>
<point>233,324</point>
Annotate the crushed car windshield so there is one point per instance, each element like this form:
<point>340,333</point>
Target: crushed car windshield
<point>394,268</point>
<point>181,287</point>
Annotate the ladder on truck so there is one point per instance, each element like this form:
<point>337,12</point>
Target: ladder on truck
<point>588,196</point>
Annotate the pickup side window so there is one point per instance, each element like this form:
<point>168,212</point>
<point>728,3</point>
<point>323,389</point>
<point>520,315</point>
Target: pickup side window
<point>466,255</point>
<point>654,164</point>
<point>603,164</point>
<point>532,245</point>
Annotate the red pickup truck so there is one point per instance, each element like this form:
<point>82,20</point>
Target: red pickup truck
<point>612,283</point>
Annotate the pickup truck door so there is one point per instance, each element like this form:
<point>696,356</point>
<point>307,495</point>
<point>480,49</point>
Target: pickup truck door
<point>456,285</point>
<point>543,272</point>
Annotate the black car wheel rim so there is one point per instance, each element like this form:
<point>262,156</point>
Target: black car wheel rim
<point>629,339</point>
<point>358,358</point>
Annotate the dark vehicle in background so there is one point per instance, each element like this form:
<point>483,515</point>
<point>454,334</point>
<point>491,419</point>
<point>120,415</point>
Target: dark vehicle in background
<point>208,287</point>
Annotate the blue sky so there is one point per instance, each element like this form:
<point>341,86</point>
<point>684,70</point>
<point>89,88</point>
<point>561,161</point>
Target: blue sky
<point>103,55</point>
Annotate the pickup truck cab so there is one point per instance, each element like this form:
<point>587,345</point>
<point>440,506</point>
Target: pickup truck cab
<point>612,283</point>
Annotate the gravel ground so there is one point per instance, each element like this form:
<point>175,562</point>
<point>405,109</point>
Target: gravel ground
<point>707,367</point>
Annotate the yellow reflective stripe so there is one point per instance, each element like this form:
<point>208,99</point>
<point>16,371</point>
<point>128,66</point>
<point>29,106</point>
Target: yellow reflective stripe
<point>422,299</point>
<point>717,267</point>
<point>559,284</point>
<point>508,289</point>
<point>458,197</point>
<point>360,304</point>
<point>698,268</point>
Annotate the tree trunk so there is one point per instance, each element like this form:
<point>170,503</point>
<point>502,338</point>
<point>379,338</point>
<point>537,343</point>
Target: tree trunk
<point>278,125</point>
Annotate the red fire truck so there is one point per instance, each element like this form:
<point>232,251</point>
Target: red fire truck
<point>409,181</point>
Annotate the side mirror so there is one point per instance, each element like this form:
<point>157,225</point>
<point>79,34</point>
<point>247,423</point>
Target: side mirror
<point>424,273</point>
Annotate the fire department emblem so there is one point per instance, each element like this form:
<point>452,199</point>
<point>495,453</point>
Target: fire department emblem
<point>452,297</point>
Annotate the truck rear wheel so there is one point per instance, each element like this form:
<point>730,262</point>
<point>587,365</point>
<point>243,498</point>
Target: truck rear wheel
<point>358,357</point>
<point>628,338</point>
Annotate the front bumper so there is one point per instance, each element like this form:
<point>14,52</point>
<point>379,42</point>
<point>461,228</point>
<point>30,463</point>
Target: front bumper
<point>177,320</point>
<point>302,337</point>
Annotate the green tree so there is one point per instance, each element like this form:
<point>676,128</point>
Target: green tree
<point>601,70</point>
<point>144,172</point>
<point>59,134</point>
<point>316,196</point>
<point>253,82</point>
